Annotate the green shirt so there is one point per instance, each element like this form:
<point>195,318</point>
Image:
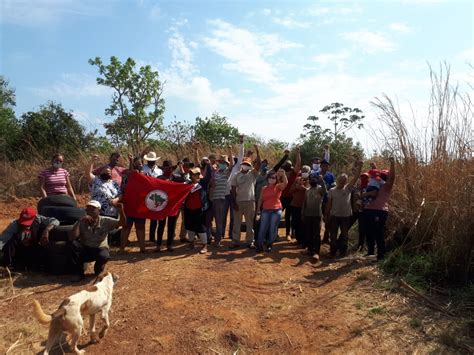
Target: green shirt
<point>96,236</point>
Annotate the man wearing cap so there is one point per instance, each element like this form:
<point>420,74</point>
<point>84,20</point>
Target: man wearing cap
<point>217,193</point>
<point>243,196</point>
<point>89,238</point>
<point>117,171</point>
<point>25,236</point>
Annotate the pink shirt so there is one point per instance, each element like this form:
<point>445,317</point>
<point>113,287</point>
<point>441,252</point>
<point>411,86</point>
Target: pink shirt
<point>271,197</point>
<point>55,181</point>
<point>381,202</point>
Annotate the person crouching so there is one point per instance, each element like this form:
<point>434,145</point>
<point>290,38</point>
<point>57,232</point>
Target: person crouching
<point>195,207</point>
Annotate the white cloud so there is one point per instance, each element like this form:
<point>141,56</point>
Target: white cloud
<point>338,59</point>
<point>318,10</point>
<point>400,27</point>
<point>467,55</point>
<point>43,12</point>
<point>290,23</point>
<point>74,86</point>
<point>370,42</point>
<point>247,52</point>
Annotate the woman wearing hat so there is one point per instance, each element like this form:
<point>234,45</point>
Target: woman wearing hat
<point>195,207</point>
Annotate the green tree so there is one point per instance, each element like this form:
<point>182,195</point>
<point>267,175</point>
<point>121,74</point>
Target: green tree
<point>343,118</point>
<point>9,127</point>
<point>137,103</point>
<point>176,135</point>
<point>215,130</point>
<point>51,129</point>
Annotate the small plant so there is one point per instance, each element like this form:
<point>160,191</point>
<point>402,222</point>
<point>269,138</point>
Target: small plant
<point>377,310</point>
<point>415,323</point>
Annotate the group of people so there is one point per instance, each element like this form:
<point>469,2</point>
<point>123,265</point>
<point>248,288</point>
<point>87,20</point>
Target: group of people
<point>224,189</point>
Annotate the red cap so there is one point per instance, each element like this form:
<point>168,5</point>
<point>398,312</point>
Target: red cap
<point>27,216</point>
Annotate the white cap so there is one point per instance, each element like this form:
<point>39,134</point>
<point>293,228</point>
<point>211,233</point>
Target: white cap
<point>151,156</point>
<point>94,203</point>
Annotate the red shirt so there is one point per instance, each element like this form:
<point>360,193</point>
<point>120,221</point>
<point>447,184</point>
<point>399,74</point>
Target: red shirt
<point>291,179</point>
<point>271,197</point>
<point>193,201</point>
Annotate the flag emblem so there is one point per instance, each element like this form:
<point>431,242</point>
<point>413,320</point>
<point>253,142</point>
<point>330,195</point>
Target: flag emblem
<point>156,200</point>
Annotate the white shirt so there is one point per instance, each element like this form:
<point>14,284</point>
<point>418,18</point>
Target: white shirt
<point>155,171</point>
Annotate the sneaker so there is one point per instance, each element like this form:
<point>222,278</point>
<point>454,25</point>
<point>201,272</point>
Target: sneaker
<point>259,250</point>
<point>203,250</point>
<point>269,249</point>
<point>251,245</point>
<point>288,238</point>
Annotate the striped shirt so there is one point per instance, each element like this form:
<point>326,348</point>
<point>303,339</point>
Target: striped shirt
<point>55,181</point>
<point>219,184</point>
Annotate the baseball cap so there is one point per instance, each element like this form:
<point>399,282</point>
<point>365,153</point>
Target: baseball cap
<point>27,216</point>
<point>324,161</point>
<point>94,203</point>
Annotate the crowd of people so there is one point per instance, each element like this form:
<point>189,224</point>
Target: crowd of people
<point>226,191</point>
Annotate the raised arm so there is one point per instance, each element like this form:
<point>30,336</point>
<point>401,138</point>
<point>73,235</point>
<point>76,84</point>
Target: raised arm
<point>231,158</point>
<point>90,168</point>
<point>354,179</point>
<point>282,160</point>
<point>70,188</point>
<point>284,179</point>
<point>298,160</point>
<point>259,160</point>
<point>196,154</point>
<point>41,180</point>
<point>327,154</point>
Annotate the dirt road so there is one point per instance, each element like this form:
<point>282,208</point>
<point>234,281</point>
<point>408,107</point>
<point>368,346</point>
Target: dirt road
<point>231,301</point>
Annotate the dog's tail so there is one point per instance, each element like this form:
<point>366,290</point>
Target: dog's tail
<point>42,317</point>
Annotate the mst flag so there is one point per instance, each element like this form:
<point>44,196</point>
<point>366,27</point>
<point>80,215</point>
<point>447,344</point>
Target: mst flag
<point>152,198</point>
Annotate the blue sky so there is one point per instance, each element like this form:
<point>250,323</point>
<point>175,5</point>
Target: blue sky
<point>266,65</point>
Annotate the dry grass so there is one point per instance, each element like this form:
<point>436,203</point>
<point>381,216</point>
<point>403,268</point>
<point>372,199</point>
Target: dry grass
<point>433,201</point>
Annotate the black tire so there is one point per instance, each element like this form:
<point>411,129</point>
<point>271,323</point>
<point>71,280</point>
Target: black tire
<point>58,261</point>
<point>60,233</point>
<point>65,215</point>
<point>56,200</point>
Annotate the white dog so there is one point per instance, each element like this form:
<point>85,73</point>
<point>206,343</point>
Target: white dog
<point>68,317</point>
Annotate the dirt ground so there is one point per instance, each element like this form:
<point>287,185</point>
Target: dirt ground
<point>230,302</point>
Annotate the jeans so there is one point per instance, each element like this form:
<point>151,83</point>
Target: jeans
<point>374,223</point>
<point>171,230</point>
<point>269,221</point>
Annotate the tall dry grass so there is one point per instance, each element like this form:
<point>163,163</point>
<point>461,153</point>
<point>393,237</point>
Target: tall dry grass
<point>19,178</point>
<point>432,217</point>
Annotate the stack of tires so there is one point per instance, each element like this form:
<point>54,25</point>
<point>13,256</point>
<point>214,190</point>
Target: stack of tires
<point>63,208</point>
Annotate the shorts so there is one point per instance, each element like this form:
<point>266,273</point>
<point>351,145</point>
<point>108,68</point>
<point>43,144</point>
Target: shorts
<point>131,220</point>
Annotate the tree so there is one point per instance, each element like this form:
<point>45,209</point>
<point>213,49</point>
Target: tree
<point>343,118</point>
<point>51,130</point>
<point>215,130</point>
<point>176,135</point>
<point>137,102</point>
<point>9,127</point>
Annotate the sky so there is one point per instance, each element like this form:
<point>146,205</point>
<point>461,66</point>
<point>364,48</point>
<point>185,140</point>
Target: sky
<point>266,65</point>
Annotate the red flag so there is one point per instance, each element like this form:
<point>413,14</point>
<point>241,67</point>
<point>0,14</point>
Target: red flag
<point>152,198</point>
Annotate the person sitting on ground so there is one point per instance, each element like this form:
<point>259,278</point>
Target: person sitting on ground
<point>243,199</point>
<point>55,180</point>
<point>298,191</point>
<point>339,211</point>
<point>104,189</point>
<point>135,164</point>
<point>88,238</point>
<point>116,171</point>
<point>311,213</point>
<point>195,207</point>
<point>270,205</point>
<point>286,196</point>
<point>24,238</point>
